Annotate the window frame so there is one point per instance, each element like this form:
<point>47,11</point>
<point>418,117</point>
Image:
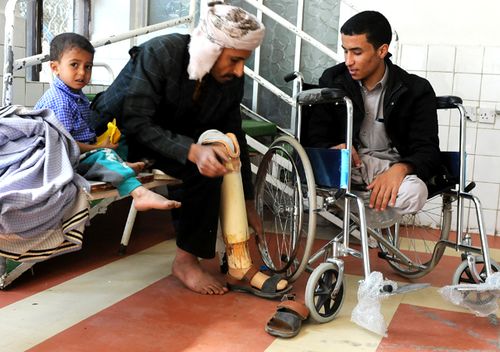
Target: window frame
<point>34,25</point>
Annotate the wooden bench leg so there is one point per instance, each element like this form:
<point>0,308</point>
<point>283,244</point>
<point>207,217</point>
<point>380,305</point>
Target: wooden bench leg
<point>132,213</point>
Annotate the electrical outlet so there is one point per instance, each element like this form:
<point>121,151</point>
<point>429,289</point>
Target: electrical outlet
<point>486,115</point>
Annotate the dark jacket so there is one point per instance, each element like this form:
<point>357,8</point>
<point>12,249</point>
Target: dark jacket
<point>152,98</point>
<point>410,117</point>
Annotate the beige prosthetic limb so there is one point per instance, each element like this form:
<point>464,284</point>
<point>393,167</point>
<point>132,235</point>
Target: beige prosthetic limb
<point>233,213</point>
<point>233,216</point>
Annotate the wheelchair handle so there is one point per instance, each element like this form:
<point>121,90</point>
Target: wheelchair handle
<point>320,96</point>
<point>448,102</point>
<point>290,77</point>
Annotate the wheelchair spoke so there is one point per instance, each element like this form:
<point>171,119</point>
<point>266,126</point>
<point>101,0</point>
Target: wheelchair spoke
<point>325,286</point>
<point>280,204</point>
<point>468,277</point>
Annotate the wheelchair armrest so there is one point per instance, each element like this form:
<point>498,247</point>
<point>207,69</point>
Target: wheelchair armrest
<point>448,101</point>
<point>320,96</point>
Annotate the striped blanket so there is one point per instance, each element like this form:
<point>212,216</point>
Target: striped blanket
<point>43,206</point>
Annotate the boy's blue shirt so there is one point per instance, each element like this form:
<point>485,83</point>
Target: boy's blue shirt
<point>71,108</point>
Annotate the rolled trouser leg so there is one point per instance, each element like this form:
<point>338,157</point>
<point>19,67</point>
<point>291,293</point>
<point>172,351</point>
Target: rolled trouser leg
<point>412,195</point>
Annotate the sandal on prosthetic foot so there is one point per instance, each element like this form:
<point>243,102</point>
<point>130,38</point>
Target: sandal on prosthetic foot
<point>269,288</point>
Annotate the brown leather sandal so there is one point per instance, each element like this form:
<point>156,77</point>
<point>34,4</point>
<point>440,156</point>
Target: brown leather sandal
<point>287,320</point>
<point>268,290</point>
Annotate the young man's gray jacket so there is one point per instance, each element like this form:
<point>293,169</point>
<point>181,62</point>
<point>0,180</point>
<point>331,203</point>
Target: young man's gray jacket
<point>410,117</point>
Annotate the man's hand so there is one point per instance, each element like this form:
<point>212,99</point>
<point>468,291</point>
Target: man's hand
<point>208,159</point>
<point>356,160</point>
<point>253,217</point>
<point>385,186</point>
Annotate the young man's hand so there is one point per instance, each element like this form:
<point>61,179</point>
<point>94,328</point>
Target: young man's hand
<point>385,187</point>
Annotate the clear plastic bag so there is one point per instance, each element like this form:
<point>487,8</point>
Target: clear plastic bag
<point>481,299</point>
<point>367,312</point>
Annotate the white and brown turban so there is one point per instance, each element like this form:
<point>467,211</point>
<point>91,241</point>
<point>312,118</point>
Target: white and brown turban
<point>223,26</point>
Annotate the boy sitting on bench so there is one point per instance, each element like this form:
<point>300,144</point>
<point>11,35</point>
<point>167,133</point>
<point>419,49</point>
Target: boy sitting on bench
<point>71,58</point>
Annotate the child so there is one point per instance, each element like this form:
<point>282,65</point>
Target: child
<point>71,58</point>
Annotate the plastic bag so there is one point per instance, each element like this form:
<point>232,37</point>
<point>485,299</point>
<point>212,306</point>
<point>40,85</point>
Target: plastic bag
<point>481,299</point>
<point>367,312</point>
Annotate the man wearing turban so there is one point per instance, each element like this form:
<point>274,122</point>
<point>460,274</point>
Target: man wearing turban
<point>173,89</point>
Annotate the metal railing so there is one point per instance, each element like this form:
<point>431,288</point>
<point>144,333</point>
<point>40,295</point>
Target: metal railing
<point>11,65</point>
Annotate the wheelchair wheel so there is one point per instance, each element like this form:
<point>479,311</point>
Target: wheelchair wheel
<point>323,305</point>
<point>285,195</point>
<point>417,239</point>
<point>463,275</point>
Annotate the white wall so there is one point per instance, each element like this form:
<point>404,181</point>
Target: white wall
<point>454,44</point>
<point>451,22</point>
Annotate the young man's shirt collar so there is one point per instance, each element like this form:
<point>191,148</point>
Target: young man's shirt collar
<point>380,84</point>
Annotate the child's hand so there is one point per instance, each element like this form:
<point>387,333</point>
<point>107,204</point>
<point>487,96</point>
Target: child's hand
<point>108,144</point>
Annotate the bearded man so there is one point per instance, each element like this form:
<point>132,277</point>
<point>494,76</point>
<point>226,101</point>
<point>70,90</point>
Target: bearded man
<point>174,88</point>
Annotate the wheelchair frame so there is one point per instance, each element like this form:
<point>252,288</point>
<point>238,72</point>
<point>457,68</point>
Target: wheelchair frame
<point>287,199</point>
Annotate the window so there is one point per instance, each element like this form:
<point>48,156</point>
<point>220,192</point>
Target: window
<point>161,10</point>
<point>47,18</point>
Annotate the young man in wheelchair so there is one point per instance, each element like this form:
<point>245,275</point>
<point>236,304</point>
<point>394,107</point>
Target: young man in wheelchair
<point>395,129</point>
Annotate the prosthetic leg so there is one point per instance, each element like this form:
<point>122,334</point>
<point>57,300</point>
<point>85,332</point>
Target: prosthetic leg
<point>234,224</point>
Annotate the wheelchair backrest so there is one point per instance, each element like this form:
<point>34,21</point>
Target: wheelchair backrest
<point>449,175</point>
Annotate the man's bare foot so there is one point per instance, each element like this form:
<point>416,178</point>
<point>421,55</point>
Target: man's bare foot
<point>187,269</point>
<point>257,280</point>
<point>144,199</point>
<point>137,166</point>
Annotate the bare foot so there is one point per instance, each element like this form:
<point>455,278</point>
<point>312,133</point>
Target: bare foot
<point>137,166</point>
<point>187,269</point>
<point>257,280</point>
<point>144,199</point>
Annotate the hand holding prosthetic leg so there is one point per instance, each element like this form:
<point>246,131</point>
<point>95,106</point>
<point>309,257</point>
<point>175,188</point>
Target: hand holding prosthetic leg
<point>234,224</point>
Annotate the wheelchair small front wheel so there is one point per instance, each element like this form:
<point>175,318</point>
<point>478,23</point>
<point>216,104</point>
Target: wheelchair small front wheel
<point>463,275</point>
<point>323,304</point>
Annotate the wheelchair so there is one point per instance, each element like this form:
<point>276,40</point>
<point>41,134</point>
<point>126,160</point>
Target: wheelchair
<point>294,185</point>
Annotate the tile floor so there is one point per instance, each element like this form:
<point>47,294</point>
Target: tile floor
<point>96,300</point>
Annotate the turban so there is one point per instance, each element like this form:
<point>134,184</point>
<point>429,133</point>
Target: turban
<point>224,26</point>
